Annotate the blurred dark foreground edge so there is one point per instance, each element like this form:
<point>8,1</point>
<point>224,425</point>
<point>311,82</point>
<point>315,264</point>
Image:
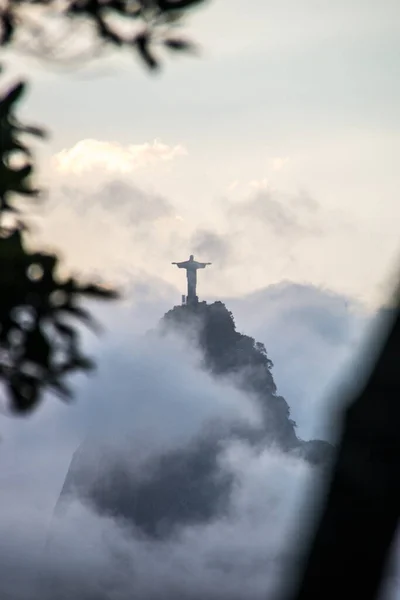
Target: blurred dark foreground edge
<point>351,544</point>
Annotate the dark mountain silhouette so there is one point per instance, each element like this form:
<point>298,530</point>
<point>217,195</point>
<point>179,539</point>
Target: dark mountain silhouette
<point>228,353</point>
<point>188,485</point>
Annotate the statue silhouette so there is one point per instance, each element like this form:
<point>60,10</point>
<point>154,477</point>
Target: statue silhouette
<point>191,267</point>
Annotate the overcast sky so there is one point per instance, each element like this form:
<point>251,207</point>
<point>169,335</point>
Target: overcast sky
<point>275,156</point>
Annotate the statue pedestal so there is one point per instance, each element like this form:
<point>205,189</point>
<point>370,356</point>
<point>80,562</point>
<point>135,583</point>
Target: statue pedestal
<point>192,300</point>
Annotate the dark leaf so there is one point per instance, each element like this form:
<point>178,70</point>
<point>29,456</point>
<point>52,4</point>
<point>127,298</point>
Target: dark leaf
<point>74,363</point>
<point>12,247</point>
<point>171,17</point>
<point>12,145</point>
<point>120,7</point>
<point>6,207</point>
<point>166,5</point>
<point>98,291</point>
<point>47,261</point>
<point>24,392</point>
<point>66,330</point>
<point>179,44</point>
<point>37,348</point>
<point>23,172</point>
<point>142,42</point>
<point>7,323</point>
<point>61,388</point>
<point>84,363</point>
<point>107,33</point>
<point>36,131</point>
<point>7,26</point>
<point>81,313</point>
<point>25,190</point>
<point>13,96</point>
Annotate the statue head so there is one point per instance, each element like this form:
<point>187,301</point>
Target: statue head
<point>191,257</point>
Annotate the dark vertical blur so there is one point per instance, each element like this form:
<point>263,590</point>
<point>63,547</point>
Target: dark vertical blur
<point>358,522</point>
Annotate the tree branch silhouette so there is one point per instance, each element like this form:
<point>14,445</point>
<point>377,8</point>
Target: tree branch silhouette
<point>39,343</point>
<point>47,26</point>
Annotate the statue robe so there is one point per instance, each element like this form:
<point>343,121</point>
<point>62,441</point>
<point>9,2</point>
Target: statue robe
<point>191,267</point>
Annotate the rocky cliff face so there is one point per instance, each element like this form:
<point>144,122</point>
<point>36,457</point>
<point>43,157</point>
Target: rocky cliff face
<point>188,485</point>
<point>228,353</point>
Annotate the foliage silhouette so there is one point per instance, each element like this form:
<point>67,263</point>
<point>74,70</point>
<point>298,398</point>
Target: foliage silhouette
<point>38,344</point>
<point>138,25</point>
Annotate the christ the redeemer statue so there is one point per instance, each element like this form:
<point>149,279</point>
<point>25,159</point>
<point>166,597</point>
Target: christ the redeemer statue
<point>191,267</point>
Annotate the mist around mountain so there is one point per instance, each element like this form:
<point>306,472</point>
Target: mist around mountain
<point>230,354</point>
<point>176,490</point>
<point>189,484</point>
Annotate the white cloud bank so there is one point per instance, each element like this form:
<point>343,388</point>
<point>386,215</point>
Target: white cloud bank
<point>89,155</point>
<point>154,392</point>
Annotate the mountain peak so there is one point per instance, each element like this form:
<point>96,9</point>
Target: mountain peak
<point>229,353</point>
<point>188,485</point>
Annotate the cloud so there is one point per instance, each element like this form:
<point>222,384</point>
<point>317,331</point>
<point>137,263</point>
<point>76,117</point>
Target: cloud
<point>259,184</point>
<point>117,196</point>
<point>90,155</point>
<point>243,554</point>
<point>312,335</point>
<point>233,185</point>
<point>284,214</point>
<point>211,245</point>
<point>181,487</point>
<point>150,399</point>
<point>252,238</point>
<point>278,163</point>
<point>114,229</point>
